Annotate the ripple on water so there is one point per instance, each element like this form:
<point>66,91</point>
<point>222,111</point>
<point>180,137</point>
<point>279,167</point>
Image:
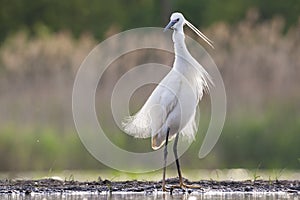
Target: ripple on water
<point>156,196</point>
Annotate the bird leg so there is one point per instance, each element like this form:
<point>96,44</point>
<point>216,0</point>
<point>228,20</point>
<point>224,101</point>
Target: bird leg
<point>165,161</point>
<point>177,160</point>
<point>182,185</point>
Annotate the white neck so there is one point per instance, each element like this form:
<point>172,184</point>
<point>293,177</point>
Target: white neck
<point>179,43</point>
<point>182,55</point>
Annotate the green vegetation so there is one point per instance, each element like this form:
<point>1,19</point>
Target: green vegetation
<point>244,143</point>
<point>98,16</point>
<point>268,142</point>
<point>44,149</point>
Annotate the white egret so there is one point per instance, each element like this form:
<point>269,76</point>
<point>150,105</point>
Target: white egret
<point>171,108</point>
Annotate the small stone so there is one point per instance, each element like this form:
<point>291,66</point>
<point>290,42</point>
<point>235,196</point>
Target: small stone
<point>248,189</point>
<point>27,192</point>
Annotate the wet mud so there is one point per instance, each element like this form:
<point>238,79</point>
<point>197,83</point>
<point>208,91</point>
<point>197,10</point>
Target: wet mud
<point>59,186</point>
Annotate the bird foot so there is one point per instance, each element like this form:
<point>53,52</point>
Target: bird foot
<point>186,186</point>
<point>181,186</point>
<point>164,189</point>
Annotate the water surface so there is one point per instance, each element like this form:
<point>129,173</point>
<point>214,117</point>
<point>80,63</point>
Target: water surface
<point>156,196</point>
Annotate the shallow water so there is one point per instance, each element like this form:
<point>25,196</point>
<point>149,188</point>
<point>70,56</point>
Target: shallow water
<point>157,196</point>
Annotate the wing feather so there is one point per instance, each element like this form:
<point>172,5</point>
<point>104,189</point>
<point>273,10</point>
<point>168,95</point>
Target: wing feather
<point>150,120</point>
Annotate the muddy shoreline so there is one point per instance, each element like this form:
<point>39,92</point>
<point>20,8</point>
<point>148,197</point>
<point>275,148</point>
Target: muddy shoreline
<point>59,186</point>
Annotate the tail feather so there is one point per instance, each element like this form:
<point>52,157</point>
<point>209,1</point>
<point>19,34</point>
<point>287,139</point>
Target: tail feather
<point>137,125</point>
<point>190,130</point>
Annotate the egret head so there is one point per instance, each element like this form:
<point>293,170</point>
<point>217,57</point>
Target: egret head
<point>177,21</point>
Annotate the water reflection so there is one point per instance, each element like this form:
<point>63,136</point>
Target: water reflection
<point>158,196</point>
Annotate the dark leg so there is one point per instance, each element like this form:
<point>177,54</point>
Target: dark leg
<point>165,161</point>
<point>177,160</point>
<point>181,184</point>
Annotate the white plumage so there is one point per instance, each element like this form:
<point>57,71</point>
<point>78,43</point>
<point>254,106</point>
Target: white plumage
<point>173,103</point>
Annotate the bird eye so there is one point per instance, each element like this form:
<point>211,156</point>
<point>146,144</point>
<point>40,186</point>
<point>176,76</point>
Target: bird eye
<point>177,19</point>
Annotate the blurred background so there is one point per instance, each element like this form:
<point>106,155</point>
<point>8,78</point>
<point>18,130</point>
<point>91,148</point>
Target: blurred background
<point>42,44</point>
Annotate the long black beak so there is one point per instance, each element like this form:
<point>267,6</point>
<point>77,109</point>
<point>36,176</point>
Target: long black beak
<point>170,24</point>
